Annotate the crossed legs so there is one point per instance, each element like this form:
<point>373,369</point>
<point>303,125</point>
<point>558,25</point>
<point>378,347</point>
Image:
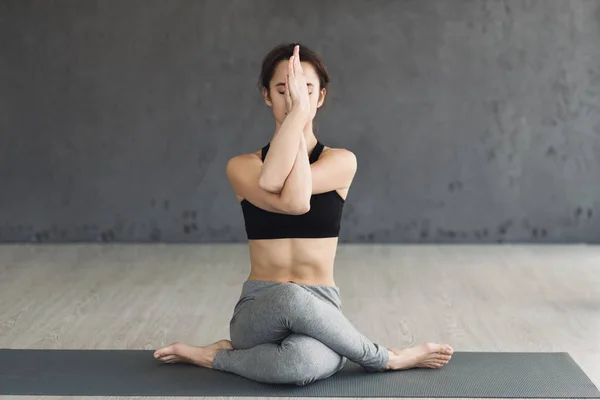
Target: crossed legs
<point>290,335</point>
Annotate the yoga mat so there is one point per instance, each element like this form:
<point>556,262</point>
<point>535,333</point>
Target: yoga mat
<point>137,373</point>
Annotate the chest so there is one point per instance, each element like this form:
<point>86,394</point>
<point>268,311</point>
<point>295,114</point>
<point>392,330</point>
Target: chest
<point>323,218</point>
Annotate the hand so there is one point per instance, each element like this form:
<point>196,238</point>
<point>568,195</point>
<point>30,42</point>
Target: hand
<point>296,91</point>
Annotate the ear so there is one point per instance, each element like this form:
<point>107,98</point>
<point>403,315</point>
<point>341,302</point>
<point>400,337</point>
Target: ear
<point>322,97</point>
<point>267,97</point>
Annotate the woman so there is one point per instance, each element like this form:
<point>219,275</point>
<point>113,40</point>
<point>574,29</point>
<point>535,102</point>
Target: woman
<point>287,326</point>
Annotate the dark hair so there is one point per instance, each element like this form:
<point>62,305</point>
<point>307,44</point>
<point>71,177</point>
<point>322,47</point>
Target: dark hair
<point>284,52</point>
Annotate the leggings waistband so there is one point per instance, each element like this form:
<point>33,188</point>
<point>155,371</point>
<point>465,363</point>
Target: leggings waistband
<point>252,289</point>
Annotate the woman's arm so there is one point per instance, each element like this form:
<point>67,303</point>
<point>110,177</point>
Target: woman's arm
<point>297,188</point>
<point>243,172</point>
<point>283,151</point>
<point>334,170</point>
<point>285,144</point>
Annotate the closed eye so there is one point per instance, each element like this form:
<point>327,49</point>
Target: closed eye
<point>282,85</point>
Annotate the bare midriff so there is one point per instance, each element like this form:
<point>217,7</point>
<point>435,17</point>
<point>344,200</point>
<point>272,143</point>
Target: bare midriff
<point>302,261</point>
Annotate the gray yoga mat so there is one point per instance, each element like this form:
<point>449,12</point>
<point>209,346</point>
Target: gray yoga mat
<point>137,373</point>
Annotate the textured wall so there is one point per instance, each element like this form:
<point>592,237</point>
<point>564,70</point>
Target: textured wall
<point>473,121</point>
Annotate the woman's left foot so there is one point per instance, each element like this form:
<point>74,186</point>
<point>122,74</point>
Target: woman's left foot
<point>201,356</point>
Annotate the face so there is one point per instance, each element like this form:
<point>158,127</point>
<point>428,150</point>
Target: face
<point>275,96</point>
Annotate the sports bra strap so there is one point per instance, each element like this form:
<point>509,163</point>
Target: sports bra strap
<point>314,156</point>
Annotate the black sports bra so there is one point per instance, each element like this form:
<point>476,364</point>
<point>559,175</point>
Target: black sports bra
<point>321,221</point>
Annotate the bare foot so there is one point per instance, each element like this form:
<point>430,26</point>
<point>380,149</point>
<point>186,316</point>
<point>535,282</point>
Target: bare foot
<point>201,356</point>
<point>426,355</point>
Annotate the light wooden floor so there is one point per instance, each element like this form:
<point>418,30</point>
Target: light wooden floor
<point>476,298</point>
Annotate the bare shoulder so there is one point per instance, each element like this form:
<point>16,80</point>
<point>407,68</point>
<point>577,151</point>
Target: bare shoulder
<point>243,164</point>
<point>244,158</point>
<point>339,151</point>
<point>334,170</point>
<point>243,170</point>
<point>345,156</point>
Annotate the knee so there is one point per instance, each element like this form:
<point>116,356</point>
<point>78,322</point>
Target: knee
<point>310,370</point>
<point>306,360</point>
<point>302,372</point>
<point>303,381</point>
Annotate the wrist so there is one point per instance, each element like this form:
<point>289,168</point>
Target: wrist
<point>302,145</point>
<point>300,111</point>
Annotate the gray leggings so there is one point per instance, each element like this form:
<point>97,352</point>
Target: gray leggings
<point>290,333</point>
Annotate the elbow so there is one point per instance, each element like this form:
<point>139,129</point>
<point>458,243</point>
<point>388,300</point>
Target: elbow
<point>295,207</point>
<point>270,185</point>
<point>300,209</point>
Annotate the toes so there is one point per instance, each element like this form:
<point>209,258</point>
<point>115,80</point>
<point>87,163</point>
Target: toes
<point>167,350</point>
<point>442,348</point>
<point>162,352</point>
<point>434,365</point>
<point>437,362</point>
<point>438,348</point>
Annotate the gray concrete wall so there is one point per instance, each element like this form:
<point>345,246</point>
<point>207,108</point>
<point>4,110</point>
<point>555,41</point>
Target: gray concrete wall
<point>472,121</point>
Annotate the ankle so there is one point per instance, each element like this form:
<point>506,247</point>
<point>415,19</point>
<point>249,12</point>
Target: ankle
<point>210,357</point>
<point>391,357</point>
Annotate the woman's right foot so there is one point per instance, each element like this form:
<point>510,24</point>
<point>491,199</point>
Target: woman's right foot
<point>426,355</point>
<point>201,356</point>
